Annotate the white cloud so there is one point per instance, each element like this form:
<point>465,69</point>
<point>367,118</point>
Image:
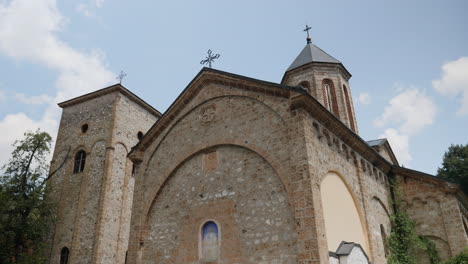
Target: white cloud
<point>410,111</point>
<point>28,32</point>
<point>454,82</point>
<point>88,9</point>
<point>84,10</point>
<point>399,143</point>
<point>364,98</point>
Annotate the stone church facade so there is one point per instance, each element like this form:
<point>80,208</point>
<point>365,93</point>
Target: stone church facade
<point>237,170</point>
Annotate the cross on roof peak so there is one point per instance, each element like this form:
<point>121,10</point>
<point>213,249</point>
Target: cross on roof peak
<point>120,77</point>
<point>307,28</point>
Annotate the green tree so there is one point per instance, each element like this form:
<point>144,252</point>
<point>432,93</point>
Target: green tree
<point>25,214</point>
<point>455,166</point>
<point>461,258</point>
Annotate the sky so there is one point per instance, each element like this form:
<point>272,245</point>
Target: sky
<point>409,59</point>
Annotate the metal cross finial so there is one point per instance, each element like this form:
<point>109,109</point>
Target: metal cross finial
<point>120,77</point>
<point>307,28</point>
<point>210,58</point>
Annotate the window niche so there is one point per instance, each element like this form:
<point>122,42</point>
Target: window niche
<point>140,135</point>
<point>64,255</point>
<point>209,242</point>
<point>84,128</point>
<point>80,159</point>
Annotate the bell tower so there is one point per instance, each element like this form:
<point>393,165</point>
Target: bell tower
<point>326,79</point>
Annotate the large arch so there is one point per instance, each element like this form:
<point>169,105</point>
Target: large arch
<point>251,206</point>
<point>196,108</point>
<point>342,215</point>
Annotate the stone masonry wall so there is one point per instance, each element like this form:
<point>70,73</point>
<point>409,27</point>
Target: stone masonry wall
<point>241,192</point>
<point>240,118</point>
<point>436,212</point>
<point>77,202</point>
<point>263,123</point>
<point>94,206</point>
<point>367,184</point>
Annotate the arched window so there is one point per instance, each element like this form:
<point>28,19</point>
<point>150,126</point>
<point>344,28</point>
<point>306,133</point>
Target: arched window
<point>348,108</point>
<point>133,169</point>
<point>80,159</point>
<point>209,242</point>
<point>384,240</point>
<point>64,255</point>
<point>329,96</point>
<point>140,135</point>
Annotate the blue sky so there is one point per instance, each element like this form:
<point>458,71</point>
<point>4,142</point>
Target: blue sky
<point>409,59</point>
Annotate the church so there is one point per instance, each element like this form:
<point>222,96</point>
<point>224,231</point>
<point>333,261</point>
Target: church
<point>237,171</point>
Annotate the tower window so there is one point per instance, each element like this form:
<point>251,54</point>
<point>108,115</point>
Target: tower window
<point>84,128</point>
<point>349,109</point>
<point>64,255</point>
<point>329,97</point>
<point>140,135</point>
<point>80,159</point>
<point>209,242</point>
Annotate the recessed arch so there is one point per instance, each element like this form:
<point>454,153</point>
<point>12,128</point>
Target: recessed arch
<point>171,220</point>
<point>329,96</point>
<point>262,153</point>
<point>196,108</point>
<point>339,205</point>
<point>377,199</point>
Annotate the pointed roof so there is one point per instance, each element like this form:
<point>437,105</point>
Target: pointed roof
<point>110,89</point>
<point>312,53</point>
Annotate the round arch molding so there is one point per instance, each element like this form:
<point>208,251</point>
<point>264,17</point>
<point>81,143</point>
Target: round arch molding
<point>243,192</point>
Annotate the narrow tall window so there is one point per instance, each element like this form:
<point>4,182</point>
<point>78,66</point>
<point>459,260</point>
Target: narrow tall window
<point>64,255</point>
<point>209,242</point>
<point>329,97</point>
<point>133,169</point>
<point>384,240</point>
<point>349,109</point>
<point>80,159</point>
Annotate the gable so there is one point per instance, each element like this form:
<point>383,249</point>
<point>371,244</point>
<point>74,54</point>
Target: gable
<point>204,78</point>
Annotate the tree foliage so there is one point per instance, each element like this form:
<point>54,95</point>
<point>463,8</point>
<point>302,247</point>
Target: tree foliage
<point>25,214</point>
<point>455,166</point>
<point>461,258</point>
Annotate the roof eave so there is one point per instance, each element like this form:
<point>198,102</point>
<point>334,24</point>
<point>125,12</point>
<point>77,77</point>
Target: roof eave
<point>108,90</point>
<point>347,74</point>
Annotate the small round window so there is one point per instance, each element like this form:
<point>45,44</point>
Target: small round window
<point>140,135</point>
<point>84,128</point>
